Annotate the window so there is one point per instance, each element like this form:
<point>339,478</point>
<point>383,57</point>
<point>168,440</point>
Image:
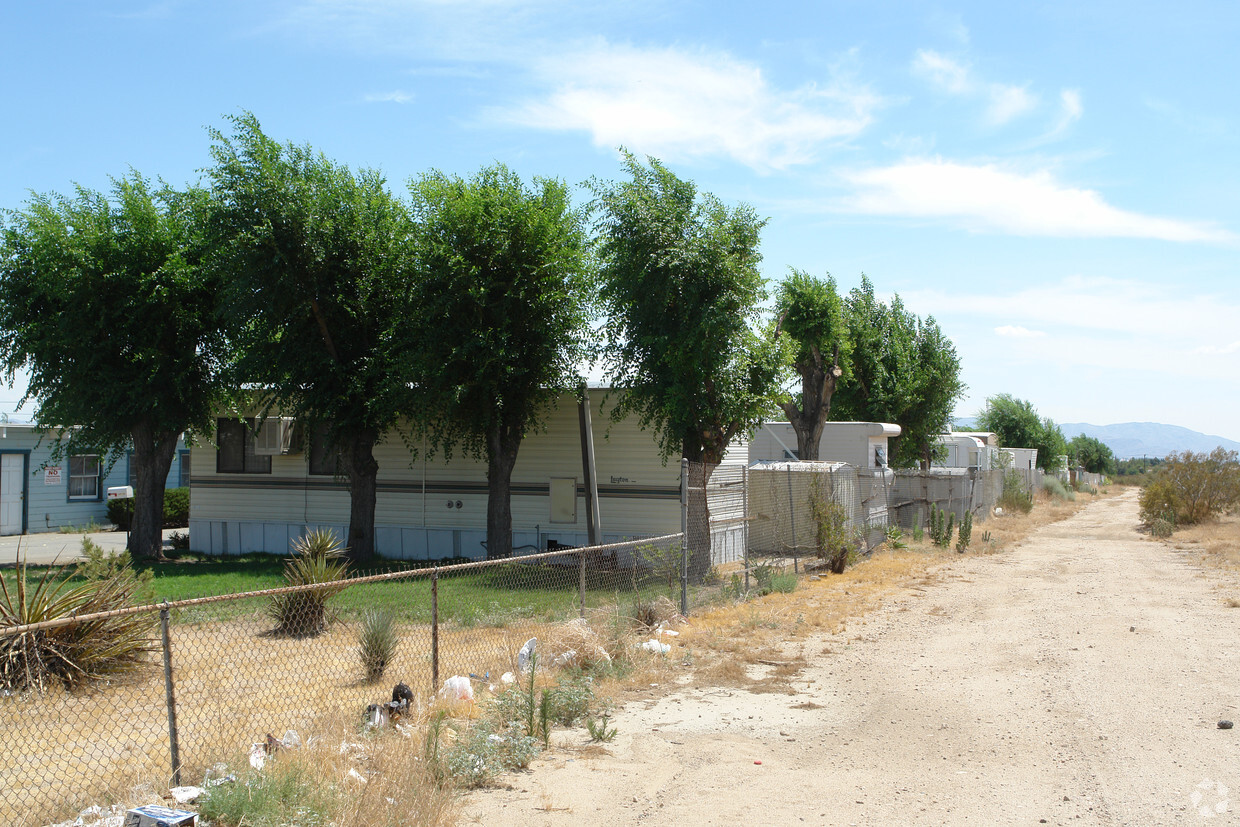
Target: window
<point>325,459</point>
<point>235,439</point>
<point>84,477</point>
<point>183,470</point>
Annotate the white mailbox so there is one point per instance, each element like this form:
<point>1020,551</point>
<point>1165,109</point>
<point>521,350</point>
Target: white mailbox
<point>120,492</point>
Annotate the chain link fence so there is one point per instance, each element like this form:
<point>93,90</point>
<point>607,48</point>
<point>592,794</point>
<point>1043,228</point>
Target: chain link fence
<point>213,676</point>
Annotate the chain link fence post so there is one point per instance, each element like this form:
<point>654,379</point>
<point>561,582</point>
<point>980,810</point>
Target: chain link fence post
<point>434,630</point>
<point>581,583</point>
<point>170,696</point>
<point>684,537</point>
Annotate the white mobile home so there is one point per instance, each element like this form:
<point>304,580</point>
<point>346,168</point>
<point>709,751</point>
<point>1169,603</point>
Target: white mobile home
<point>860,444</point>
<point>245,500</point>
<point>38,495</point>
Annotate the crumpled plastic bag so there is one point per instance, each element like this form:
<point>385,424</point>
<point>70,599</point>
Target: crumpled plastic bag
<point>458,688</point>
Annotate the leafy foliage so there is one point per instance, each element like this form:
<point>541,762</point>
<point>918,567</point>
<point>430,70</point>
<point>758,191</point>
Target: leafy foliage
<point>965,535</point>
<point>901,369</point>
<point>78,653</point>
<point>317,296</point>
<point>680,283</point>
<point>503,272</point>
<point>810,314</point>
<point>106,305</point>
<point>317,559</point>
<point>1192,487</point>
<point>831,535</point>
<point>1018,425</point>
<point>175,508</point>
<point>1016,495</point>
<point>1092,454</point>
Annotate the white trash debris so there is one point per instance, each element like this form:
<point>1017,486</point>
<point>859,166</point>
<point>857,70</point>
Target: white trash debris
<point>357,776</point>
<point>669,632</point>
<point>291,739</point>
<point>458,688</point>
<point>566,658</point>
<point>186,795</point>
<point>525,658</point>
<point>258,755</point>
<point>508,678</point>
<point>657,648</point>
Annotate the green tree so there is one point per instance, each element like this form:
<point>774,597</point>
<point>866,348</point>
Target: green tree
<point>320,290</point>
<point>902,369</point>
<point>1018,425</point>
<point>810,314</point>
<point>1092,454</point>
<point>105,304</point>
<point>504,268</point>
<point>680,282</point>
<point>1192,487</point>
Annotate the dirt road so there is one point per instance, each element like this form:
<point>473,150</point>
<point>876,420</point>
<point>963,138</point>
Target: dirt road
<point>1077,679</point>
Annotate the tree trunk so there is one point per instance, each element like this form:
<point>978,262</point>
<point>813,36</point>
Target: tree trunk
<point>152,458</point>
<point>817,387</point>
<point>503,442</point>
<point>363,471</point>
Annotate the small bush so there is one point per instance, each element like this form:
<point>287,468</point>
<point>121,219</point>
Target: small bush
<point>1055,488</point>
<point>79,653</point>
<point>1016,496</point>
<point>895,537</point>
<point>966,532</point>
<point>1161,528</point>
<point>176,510</point>
<point>1191,488</point>
<point>283,793</point>
<point>376,642</point>
<point>481,753</point>
<point>317,559</point>
<point>599,731</point>
<point>179,540</point>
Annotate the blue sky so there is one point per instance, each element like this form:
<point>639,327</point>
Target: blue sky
<point>1054,182</point>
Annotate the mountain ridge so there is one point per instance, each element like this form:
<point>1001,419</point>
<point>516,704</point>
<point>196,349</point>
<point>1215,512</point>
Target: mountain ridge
<point>1136,439</point>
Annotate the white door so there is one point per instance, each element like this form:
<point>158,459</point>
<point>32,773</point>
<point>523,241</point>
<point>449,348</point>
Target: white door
<point>12,492</point>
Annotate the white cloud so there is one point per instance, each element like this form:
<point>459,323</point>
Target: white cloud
<point>1005,102</point>
<point>388,97</point>
<point>1218,350</point>
<point>1008,103</point>
<point>677,104</point>
<point>987,197</point>
<point>947,74</point>
<point>1018,332</point>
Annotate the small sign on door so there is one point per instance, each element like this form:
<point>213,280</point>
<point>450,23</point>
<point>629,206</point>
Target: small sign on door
<point>51,476</point>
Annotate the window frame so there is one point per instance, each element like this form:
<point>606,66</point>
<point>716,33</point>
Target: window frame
<point>97,477</point>
<point>251,463</point>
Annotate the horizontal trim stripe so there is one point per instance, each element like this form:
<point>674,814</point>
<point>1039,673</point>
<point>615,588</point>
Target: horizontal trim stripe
<point>251,482</point>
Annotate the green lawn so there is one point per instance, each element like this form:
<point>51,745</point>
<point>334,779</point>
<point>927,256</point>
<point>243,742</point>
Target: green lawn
<point>479,597</point>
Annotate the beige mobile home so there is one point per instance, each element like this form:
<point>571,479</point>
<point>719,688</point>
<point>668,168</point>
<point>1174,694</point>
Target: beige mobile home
<point>252,497</point>
<point>860,444</point>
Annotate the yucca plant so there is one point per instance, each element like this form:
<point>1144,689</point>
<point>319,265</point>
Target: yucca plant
<point>376,641</point>
<point>318,561</point>
<point>78,653</point>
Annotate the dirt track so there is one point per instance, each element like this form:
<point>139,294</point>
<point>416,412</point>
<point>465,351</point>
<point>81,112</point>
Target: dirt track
<point>1077,679</point>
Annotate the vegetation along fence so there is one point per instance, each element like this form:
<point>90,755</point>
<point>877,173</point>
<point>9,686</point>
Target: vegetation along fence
<point>94,703</point>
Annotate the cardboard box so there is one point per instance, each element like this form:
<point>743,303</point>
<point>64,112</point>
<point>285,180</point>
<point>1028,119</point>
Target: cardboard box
<point>154,815</point>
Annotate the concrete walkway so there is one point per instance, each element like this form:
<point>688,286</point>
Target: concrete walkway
<point>52,547</point>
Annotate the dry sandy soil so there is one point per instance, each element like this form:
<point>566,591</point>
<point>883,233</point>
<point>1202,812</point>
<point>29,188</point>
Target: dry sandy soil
<point>1076,679</point>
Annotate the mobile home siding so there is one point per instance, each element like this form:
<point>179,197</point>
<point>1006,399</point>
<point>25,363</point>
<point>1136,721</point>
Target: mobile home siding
<point>417,514</point>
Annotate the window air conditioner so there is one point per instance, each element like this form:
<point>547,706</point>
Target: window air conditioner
<point>277,436</point>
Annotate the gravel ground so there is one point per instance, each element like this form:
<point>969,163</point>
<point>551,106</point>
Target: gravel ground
<point>1077,679</point>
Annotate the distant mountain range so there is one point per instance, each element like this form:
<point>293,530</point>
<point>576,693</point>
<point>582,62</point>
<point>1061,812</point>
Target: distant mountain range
<point>1137,439</point>
<point>1147,439</point>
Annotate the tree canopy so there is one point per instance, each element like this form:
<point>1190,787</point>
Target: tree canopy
<point>504,272</point>
<point>681,287</point>
<point>901,369</point>
<point>1018,425</point>
<point>104,302</point>
<point>810,314</point>
<point>1092,454</point>
<point>319,290</point>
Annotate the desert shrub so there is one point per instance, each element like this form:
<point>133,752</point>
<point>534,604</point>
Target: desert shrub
<point>483,751</point>
<point>942,524</point>
<point>1190,488</point>
<point>965,535</point>
<point>831,535</point>
<point>1161,528</point>
<point>78,653</point>
<point>1054,487</point>
<point>317,559</point>
<point>895,537</point>
<point>663,563</point>
<point>283,793</point>
<point>176,510</point>
<point>376,642</point>
<point>1016,495</point>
